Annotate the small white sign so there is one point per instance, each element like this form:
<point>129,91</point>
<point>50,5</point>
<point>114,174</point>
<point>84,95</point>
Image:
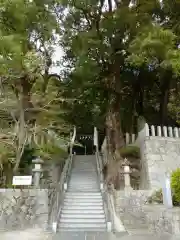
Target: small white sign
<point>22,180</point>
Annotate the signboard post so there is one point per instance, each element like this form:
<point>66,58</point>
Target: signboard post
<point>22,180</point>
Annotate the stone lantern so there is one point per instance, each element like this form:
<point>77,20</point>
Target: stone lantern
<point>37,171</point>
<point>127,179</point>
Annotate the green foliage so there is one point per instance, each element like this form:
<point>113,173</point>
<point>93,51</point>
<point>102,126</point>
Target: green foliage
<point>157,197</point>
<point>26,159</point>
<point>116,60</point>
<point>155,47</point>
<point>175,185</point>
<point>130,151</point>
<point>135,46</point>
<point>49,150</point>
<point>7,153</point>
<point>29,97</point>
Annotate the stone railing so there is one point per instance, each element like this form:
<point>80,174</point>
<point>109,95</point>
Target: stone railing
<point>103,187</point>
<point>113,222</point>
<point>60,189</point>
<point>149,131</point>
<point>130,138</point>
<point>159,131</point>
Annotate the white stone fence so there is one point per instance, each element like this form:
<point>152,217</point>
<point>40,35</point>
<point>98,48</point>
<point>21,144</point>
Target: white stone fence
<point>153,131</point>
<point>130,138</point>
<point>161,131</point>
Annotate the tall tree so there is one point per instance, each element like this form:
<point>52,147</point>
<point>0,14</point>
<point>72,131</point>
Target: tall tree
<point>28,32</point>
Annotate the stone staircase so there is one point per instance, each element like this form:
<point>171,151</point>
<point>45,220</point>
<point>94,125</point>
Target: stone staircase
<point>83,208</point>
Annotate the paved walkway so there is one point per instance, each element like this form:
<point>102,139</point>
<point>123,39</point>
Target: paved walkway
<point>37,234</point>
<point>28,234</point>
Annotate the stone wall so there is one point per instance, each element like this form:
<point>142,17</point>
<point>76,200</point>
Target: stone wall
<point>129,207</point>
<point>21,209</point>
<point>135,213</point>
<point>160,153</point>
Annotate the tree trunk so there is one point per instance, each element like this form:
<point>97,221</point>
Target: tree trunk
<point>21,141</point>
<point>115,140</point>
<point>26,86</point>
<point>8,172</point>
<point>164,98</point>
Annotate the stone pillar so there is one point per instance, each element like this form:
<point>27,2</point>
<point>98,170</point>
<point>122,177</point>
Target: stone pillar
<point>167,195</point>
<point>37,171</point>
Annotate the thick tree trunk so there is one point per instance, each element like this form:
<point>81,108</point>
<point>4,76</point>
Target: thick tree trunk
<point>8,172</point>
<point>115,141</point>
<point>21,141</point>
<point>164,98</point>
<point>113,129</point>
<point>25,105</point>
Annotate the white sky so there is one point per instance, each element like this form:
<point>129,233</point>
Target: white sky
<point>57,56</point>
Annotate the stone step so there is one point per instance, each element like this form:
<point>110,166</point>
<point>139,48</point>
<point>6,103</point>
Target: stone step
<point>82,215</point>
<point>79,182</point>
<point>85,194</point>
<point>84,236</point>
<point>89,172</point>
<point>85,175</point>
<point>72,197</point>
<point>83,185</point>
<point>79,189</point>
<point>81,230</point>
<point>77,207</point>
<point>85,178</point>
<point>80,200</point>
<point>83,226</point>
<point>82,220</point>
<point>84,189</point>
<point>84,164</point>
<point>84,168</point>
<point>83,203</point>
<point>89,186</point>
<point>90,212</point>
<point>90,182</point>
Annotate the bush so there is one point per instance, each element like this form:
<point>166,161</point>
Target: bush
<point>49,150</point>
<point>175,186</point>
<point>157,197</point>
<point>130,151</point>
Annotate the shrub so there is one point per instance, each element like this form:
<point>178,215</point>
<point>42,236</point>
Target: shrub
<point>130,151</point>
<point>175,186</point>
<point>49,150</point>
<point>157,197</point>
